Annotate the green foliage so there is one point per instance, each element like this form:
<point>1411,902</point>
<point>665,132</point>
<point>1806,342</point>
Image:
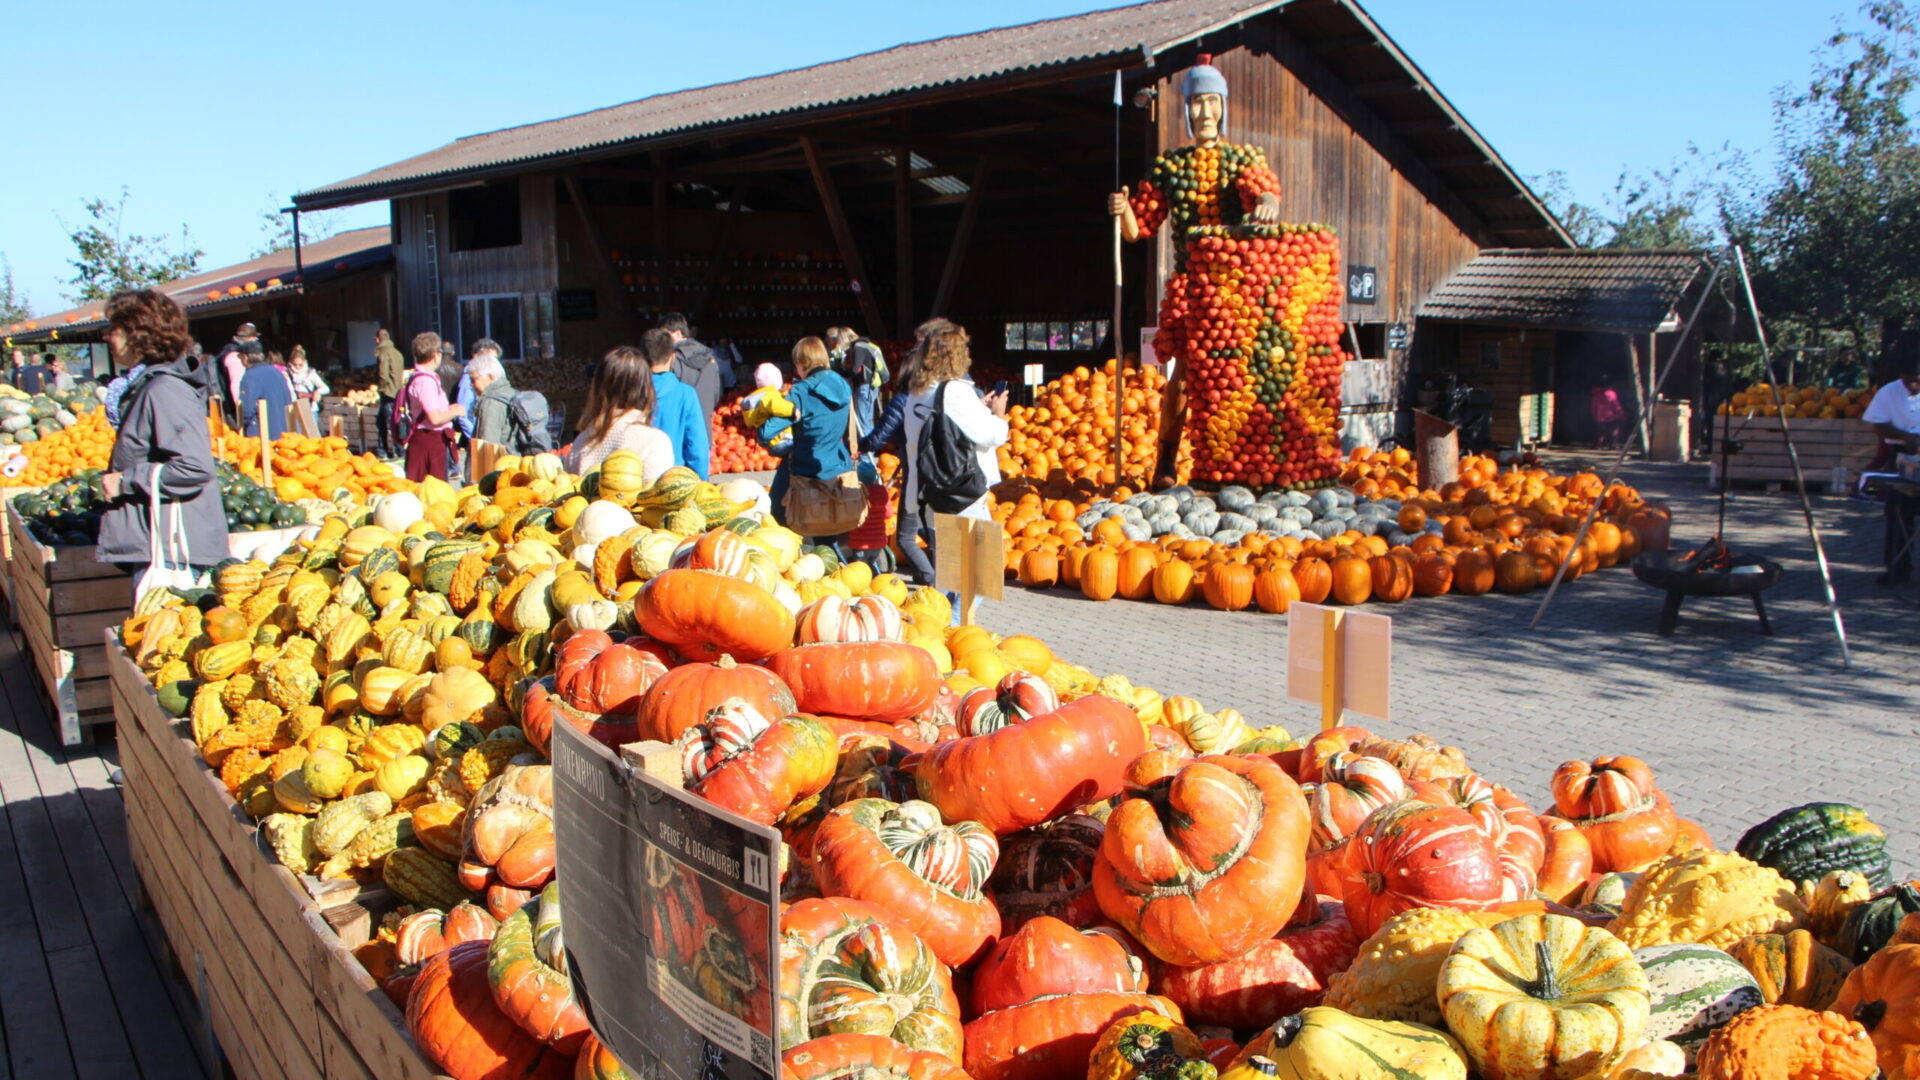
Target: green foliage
<point>1831,235</point>
<point>13,303</point>
<point>108,259</point>
<point>1664,209</point>
<point>276,227</point>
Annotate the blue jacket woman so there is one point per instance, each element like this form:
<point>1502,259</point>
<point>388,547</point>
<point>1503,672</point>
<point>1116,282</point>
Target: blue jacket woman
<point>820,402</point>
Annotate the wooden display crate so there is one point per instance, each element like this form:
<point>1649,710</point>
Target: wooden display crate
<point>6,547</point>
<point>1823,446</point>
<point>62,600</point>
<point>272,970</point>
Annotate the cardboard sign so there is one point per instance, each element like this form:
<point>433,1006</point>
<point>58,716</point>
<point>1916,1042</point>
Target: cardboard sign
<point>1340,660</point>
<point>672,909</point>
<point>970,559</point>
<point>1034,374</point>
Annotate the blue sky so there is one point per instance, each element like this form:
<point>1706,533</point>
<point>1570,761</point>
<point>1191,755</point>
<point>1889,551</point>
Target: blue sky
<point>210,115</point>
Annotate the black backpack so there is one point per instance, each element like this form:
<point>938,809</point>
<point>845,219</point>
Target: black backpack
<point>527,424</point>
<point>950,477</point>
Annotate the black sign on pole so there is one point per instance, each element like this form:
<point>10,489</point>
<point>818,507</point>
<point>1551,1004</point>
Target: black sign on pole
<point>576,305</point>
<point>672,919</point>
<point>1363,285</point>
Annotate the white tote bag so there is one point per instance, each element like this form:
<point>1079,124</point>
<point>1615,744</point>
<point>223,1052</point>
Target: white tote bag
<point>169,564</point>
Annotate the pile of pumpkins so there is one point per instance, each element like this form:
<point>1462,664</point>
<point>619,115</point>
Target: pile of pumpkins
<point>1508,531</point>
<point>1804,402</point>
<point>1066,435</point>
<point>27,418</point>
<point>1036,872</point>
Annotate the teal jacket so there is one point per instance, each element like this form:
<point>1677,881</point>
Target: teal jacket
<point>822,402</point>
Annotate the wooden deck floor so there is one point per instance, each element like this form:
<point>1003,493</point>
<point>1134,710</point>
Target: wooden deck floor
<point>83,989</point>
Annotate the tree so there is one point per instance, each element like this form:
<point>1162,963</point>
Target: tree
<point>13,303</point>
<point>1830,239</point>
<point>1663,209</point>
<point>277,227</point>
<point>108,259</point>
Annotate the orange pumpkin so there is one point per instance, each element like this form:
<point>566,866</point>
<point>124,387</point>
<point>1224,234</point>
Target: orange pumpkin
<point>1352,580</point>
<point>1433,573</point>
<point>1136,571</point>
<point>1040,569</point>
<point>1229,586</point>
<point>1313,579</point>
<point>1516,572</point>
<point>1275,590</point>
<point>1392,578</point>
<point>1173,582</point>
<point>1100,574</point>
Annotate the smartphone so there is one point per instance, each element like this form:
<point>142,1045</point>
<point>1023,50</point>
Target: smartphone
<point>1000,387</point>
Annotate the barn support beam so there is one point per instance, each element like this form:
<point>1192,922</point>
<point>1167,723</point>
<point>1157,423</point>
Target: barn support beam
<point>843,238</point>
<point>903,171</point>
<point>962,236</point>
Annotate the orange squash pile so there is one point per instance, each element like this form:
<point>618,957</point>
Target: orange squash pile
<point>308,468</point>
<point>735,448</point>
<point>86,445</point>
<point>1067,433</point>
<point>1801,402</point>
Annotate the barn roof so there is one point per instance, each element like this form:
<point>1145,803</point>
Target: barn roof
<point>1616,289</point>
<point>212,291</point>
<point>1341,35</point>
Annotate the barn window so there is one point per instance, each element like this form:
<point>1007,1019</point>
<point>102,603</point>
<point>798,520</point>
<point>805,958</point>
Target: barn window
<point>486,216</point>
<point>496,317</point>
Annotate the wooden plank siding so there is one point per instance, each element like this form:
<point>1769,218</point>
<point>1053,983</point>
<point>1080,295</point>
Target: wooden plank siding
<point>530,266</point>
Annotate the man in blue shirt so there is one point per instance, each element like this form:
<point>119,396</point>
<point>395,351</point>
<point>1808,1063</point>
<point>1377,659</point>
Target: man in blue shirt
<point>676,408</point>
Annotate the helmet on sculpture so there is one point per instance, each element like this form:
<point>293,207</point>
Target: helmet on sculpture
<point>1201,79</point>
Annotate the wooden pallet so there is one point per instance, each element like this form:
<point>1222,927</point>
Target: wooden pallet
<point>1822,446</point>
<point>62,600</point>
<point>276,979</point>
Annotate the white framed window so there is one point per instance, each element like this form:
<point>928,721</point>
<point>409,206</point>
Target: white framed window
<point>491,315</point>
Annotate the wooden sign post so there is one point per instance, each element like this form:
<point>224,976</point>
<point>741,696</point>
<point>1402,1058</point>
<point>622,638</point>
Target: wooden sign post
<point>300,419</point>
<point>482,458</point>
<point>1340,660</point>
<point>216,420</point>
<point>969,559</point>
<point>266,446</point>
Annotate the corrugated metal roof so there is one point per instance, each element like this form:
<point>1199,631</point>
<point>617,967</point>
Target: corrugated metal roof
<point>205,292</point>
<point>1630,291</point>
<point>1118,32</point>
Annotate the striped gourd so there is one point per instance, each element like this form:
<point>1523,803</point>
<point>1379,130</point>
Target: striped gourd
<point>442,559</point>
<point>674,489</point>
<point>1693,990</point>
<point>1808,842</point>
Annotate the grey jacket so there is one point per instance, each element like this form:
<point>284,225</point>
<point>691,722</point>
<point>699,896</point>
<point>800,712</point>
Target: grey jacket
<point>163,420</point>
<point>491,422</point>
<point>698,367</point>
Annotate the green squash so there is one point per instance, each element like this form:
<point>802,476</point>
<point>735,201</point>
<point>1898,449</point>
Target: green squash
<point>1806,843</point>
<point>177,697</point>
<point>1694,989</point>
<point>1871,925</point>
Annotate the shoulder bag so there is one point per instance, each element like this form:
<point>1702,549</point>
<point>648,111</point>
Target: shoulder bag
<point>827,506</point>
<point>169,555</point>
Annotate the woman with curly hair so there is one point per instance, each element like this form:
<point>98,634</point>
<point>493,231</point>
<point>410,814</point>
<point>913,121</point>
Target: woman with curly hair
<point>941,383</point>
<point>163,423</point>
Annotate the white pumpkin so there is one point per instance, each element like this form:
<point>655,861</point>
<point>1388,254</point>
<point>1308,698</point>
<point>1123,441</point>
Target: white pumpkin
<point>583,554</point>
<point>600,521</point>
<point>396,511</point>
<point>780,542</point>
<point>789,599</point>
<point>808,567</point>
<point>742,490</point>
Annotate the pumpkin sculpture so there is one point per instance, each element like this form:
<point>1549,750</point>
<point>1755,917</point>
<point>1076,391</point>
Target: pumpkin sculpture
<point>452,1016</point>
<point>929,875</point>
<point>1204,858</point>
<point>843,1057</point>
<point>684,696</point>
<point>527,967</point>
<point>867,680</point>
<point>742,761</point>
<point>1543,997</point>
<point>1615,803</point>
<point>847,967</point>
<point>1050,1038</point>
<point>1326,1044</point>
<point>1046,956</point>
<point>1048,870</point>
<point>1277,977</point>
<point>1028,773</point>
<point>1413,854</point>
<point>1883,994</point>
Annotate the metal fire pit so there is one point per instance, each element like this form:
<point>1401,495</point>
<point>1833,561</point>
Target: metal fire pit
<point>1749,576</point>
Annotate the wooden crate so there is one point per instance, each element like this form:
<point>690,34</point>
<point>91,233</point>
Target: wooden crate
<point>1823,446</point>
<point>62,600</point>
<point>6,547</point>
<point>273,971</point>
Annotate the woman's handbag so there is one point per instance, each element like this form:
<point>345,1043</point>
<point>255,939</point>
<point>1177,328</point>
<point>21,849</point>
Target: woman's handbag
<point>827,507</point>
<point>169,564</point>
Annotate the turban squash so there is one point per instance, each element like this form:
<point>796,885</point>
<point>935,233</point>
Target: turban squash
<point>849,967</point>
<point>684,696</point>
<point>1050,1038</point>
<point>705,615</point>
<point>1615,802</point>
<point>598,675</point>
<point>867,680</point>
<point>1048,870</point>
<point>744,762</point>
<point>834,1057</point>
<point>1205,857</point>
<point>1047,956</point>
<point>1277,977</point>
<point>1883,994</point>
<point>527,968</point>
<point>903,858</point>
<point>452,1016</point>
<point>1413,854</point>
<point>1032,772</point>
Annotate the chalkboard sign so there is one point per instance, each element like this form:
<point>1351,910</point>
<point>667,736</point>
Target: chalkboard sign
<point>576,305</point>
<point>1363,285</point>
<point>672,918</point>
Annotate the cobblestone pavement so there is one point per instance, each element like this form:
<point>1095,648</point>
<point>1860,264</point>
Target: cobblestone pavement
<point>1736,725</point>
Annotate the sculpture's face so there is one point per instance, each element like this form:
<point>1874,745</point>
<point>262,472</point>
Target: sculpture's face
<point>1204,112</point>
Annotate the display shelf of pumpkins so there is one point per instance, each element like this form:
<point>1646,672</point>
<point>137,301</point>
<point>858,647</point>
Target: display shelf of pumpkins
<point>735,447</point>
<point>67,512</point>
<point>1038,872</point>
<point>1506,531</point>
<point>1804,402</point>
<point>58,434</point>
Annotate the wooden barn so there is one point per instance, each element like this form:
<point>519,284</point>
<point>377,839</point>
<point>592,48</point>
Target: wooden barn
<point>963,177</point>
